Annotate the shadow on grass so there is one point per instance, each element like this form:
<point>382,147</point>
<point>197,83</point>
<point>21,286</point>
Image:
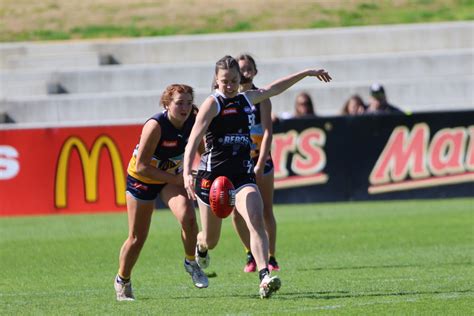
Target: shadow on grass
<point>394,266</point>
<point>323,295</point>
<point>327,295</point>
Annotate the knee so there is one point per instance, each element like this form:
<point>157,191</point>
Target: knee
<point>137,240</point>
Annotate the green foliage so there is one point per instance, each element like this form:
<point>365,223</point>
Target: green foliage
<point>363,258</point>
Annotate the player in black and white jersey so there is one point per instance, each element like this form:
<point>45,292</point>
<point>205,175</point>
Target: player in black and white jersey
<point>261,135</point>
<point>155,169</point>
<point>226,118</point>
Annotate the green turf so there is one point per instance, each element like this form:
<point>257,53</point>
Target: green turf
<point>411,257</point>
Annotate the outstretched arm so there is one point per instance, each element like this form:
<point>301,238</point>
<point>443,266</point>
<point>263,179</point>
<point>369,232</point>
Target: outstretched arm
<point>282,84</point>
<point>207,112</point>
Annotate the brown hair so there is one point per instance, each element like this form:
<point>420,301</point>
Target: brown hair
<point>167,95</point>
<point>308,101</point>
<point>248,58</point>
<point>226,62</point>
<point>357,98</point>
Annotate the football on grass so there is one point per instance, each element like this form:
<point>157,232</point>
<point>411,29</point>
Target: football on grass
<point>222,197</point>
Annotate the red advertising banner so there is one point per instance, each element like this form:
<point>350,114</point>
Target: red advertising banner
<point>65,170</point>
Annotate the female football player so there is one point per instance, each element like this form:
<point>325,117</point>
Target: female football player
<point>226,118</point>
<point>261,135</point>
<point>155,169</point>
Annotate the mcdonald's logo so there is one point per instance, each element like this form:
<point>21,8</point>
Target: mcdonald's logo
<point>89,162</point>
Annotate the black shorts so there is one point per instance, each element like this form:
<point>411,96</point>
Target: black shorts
<point>204,181</point>
<point>143,191</point>
<point>268,165</point>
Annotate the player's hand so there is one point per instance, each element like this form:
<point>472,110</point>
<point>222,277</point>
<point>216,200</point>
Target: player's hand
<point>189,185</point>
<point>321,74</point>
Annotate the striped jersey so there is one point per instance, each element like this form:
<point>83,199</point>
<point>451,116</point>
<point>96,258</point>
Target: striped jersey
<point>228,142</point>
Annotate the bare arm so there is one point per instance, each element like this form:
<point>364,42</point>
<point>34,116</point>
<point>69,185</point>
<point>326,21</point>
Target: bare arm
<point>207,112</point>
<point>267,125</point>
<point>151,134</point>
<point>282,84</point>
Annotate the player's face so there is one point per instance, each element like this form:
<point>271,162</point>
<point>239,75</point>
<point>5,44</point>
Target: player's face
<point>180,106</point>
<point>247,70</point>
<point>228,81</point>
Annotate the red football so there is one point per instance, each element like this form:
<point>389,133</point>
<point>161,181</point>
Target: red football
<point>222,197</point>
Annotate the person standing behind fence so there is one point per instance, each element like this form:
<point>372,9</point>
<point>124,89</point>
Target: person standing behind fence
<point>226,118</point>
<point>155,169</point>
<point>303,107</point>
<point>378,101</point>
<point>261,134</point>
<point>354,106</point>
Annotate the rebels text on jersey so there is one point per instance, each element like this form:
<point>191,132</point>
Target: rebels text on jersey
<point>228,140</point>
<point>168,155</point>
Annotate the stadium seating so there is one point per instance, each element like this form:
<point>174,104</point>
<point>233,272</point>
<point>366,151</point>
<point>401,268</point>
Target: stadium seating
<point>423,67</point>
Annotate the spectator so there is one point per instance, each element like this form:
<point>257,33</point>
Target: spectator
<point>378,101</point>
<point>354,106</point>
<point>303,107</point>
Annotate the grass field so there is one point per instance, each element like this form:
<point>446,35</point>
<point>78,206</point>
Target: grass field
<point>407,257</point>
<point>67,19</point>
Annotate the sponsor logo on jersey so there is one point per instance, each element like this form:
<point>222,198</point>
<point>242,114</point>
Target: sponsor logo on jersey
<point>139,186</point>
<point>206,184</point>
<point>229,111</point>
<point>170,143</point>
<point>236,139</point>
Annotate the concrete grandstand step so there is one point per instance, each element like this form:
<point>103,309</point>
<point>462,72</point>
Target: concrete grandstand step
<point>374,67</point>
<point>12,54</point>
<point>53,61</point>
<point>264,45</point>
<point>296,43</point>
<point>412,95</point>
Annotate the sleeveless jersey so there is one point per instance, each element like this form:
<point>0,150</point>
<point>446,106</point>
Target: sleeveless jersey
<point>168,155</point>
<point>256,132</point>
<point>228,140</point>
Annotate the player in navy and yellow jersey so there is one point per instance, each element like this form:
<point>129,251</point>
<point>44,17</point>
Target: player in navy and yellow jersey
<point>155,169</point>
<point>226,118</point>
<point>261,135</point>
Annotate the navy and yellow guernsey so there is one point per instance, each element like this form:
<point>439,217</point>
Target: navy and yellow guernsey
<point>168,155</point>
<point>256,132</point>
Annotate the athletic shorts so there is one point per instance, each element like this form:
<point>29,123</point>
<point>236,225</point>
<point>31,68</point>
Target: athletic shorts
<point>204,181</point>
<point>143,191</point>
<point>268,165</point>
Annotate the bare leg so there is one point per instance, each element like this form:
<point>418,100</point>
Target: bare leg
<point>211,225</point>
<point>266,189</point>
<point>249,205</point>
<point>183,209</point>
<point>139,219</point>
<point>241,228</point>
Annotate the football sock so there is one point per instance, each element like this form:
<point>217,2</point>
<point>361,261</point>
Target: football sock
<point>122,280</point>
<point>201,253</point>
<point>262,273</point>
<point>190,258</point>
